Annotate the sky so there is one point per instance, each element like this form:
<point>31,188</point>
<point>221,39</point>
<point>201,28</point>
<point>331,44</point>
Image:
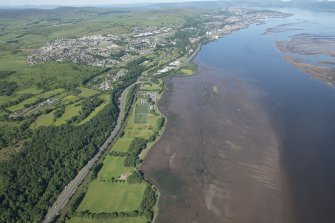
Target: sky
<point>99,2</point>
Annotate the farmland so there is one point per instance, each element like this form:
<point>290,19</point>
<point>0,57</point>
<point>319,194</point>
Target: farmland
<point>115,188</point>
<point>110,220</point>
<point>110,197</point>
<point>62,72</point>
<point>141,113</point>
<point>113,168</point>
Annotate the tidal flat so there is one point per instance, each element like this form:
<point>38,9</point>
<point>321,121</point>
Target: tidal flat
<point>218,160</point>
<point>250,138</point>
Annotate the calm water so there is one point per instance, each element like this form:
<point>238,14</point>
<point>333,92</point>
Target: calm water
<point>303,109</point>
<point>250,138</point>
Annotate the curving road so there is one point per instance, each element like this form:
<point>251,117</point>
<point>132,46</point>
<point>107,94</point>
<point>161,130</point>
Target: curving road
<point>69,190</point>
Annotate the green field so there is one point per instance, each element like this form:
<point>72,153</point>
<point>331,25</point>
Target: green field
<point>106,99</point>
<point>6,99</point>
<point>22,104</point>
<point>43,120</point>
<point>141,124</point>
<point>109,197</point>
<point>32,90</point>
<point>32,100</point>
<point>70,99</point>
<point>151,87</point>
<point>87,92</point>
<point>70,111</point>
<point>142,110</point>
<point>122,144</point>
<point>104,195</point>
<point>73,85</point>
<point>113,167</point>
<point>112,220</point>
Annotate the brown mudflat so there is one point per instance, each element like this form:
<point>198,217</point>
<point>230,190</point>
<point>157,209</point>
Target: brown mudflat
<point>218,160</point>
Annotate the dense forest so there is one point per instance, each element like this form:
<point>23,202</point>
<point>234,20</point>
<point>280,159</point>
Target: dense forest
<point>32,179</point>
<point>47,163</point>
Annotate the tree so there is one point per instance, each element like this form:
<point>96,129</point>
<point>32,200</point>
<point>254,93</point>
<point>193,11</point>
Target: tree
<point>135,177</point>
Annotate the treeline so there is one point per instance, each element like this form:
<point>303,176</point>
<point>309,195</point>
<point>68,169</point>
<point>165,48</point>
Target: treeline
<point>135,178</point>
<point>13,134</point>
<point>59,112</point>
<point>135,148</point>
<point>145,209</point>
<point>7,88</point>
<point>149,199</point>
<point>17,101</point>
<point>33,178</point>
<point>5,73</point>
<point>182,40</point>
<point>135,69</point>
<point>160,122</point>
<point>104,215</point>
<point>131,95</point>
<point>88,106</point>
<point>89,78</point>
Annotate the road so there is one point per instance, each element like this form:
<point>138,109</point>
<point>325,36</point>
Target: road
<point>69,190</point>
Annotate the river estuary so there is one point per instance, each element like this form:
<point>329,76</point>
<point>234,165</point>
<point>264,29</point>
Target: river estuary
<point>249,138</point>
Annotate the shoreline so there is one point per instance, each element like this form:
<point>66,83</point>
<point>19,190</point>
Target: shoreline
<point>190,59</point>
<point>162,131</point>
<point>297,46</point>
<point>172,157</point>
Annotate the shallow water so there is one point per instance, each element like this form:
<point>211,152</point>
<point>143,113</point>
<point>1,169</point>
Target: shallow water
<point>249,138</point>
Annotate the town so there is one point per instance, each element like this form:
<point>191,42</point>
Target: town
<point>110,50</point>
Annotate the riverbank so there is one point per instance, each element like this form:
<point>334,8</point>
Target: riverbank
<point>211,149</point>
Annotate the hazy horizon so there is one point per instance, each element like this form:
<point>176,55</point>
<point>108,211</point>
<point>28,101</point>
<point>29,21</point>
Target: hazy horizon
<point>85,2</point>
<point>122,2</point>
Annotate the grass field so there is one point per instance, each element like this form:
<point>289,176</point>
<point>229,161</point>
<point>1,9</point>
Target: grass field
<point>106,99</point>
<point>113,167</point>
<point>142,110</point>
<point>69,99</point>
<point>43,120</point>
<point>87,92</point>
<point>25,30</point>
<point>185,71</point>
<point>70,111</point>
<point>112,220</point>
<point>151,87</point>
<point>142,123</point>
<point>31,90</point>
<point>32,100</point>
<point>6,99</point>
<point>122,144</point>
<point>102,194</point>
<point>110,197</point>
<point>22,104</point>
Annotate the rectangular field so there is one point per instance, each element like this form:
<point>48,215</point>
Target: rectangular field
<point>142,110</point>
<point>113,167</point>
<point>109,197</point>
<point>122,145</point>
<point>111,220</point>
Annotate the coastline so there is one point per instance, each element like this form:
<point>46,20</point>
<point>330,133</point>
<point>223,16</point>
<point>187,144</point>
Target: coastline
<point>165,164</point>
<point>288,205</point>
<point>191,59</point>
<point>162,131</point>
<point>302,46</point>
<point>324,74</point>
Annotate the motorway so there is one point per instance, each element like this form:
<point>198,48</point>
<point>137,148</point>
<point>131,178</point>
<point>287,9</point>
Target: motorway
<point>69,190</point>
